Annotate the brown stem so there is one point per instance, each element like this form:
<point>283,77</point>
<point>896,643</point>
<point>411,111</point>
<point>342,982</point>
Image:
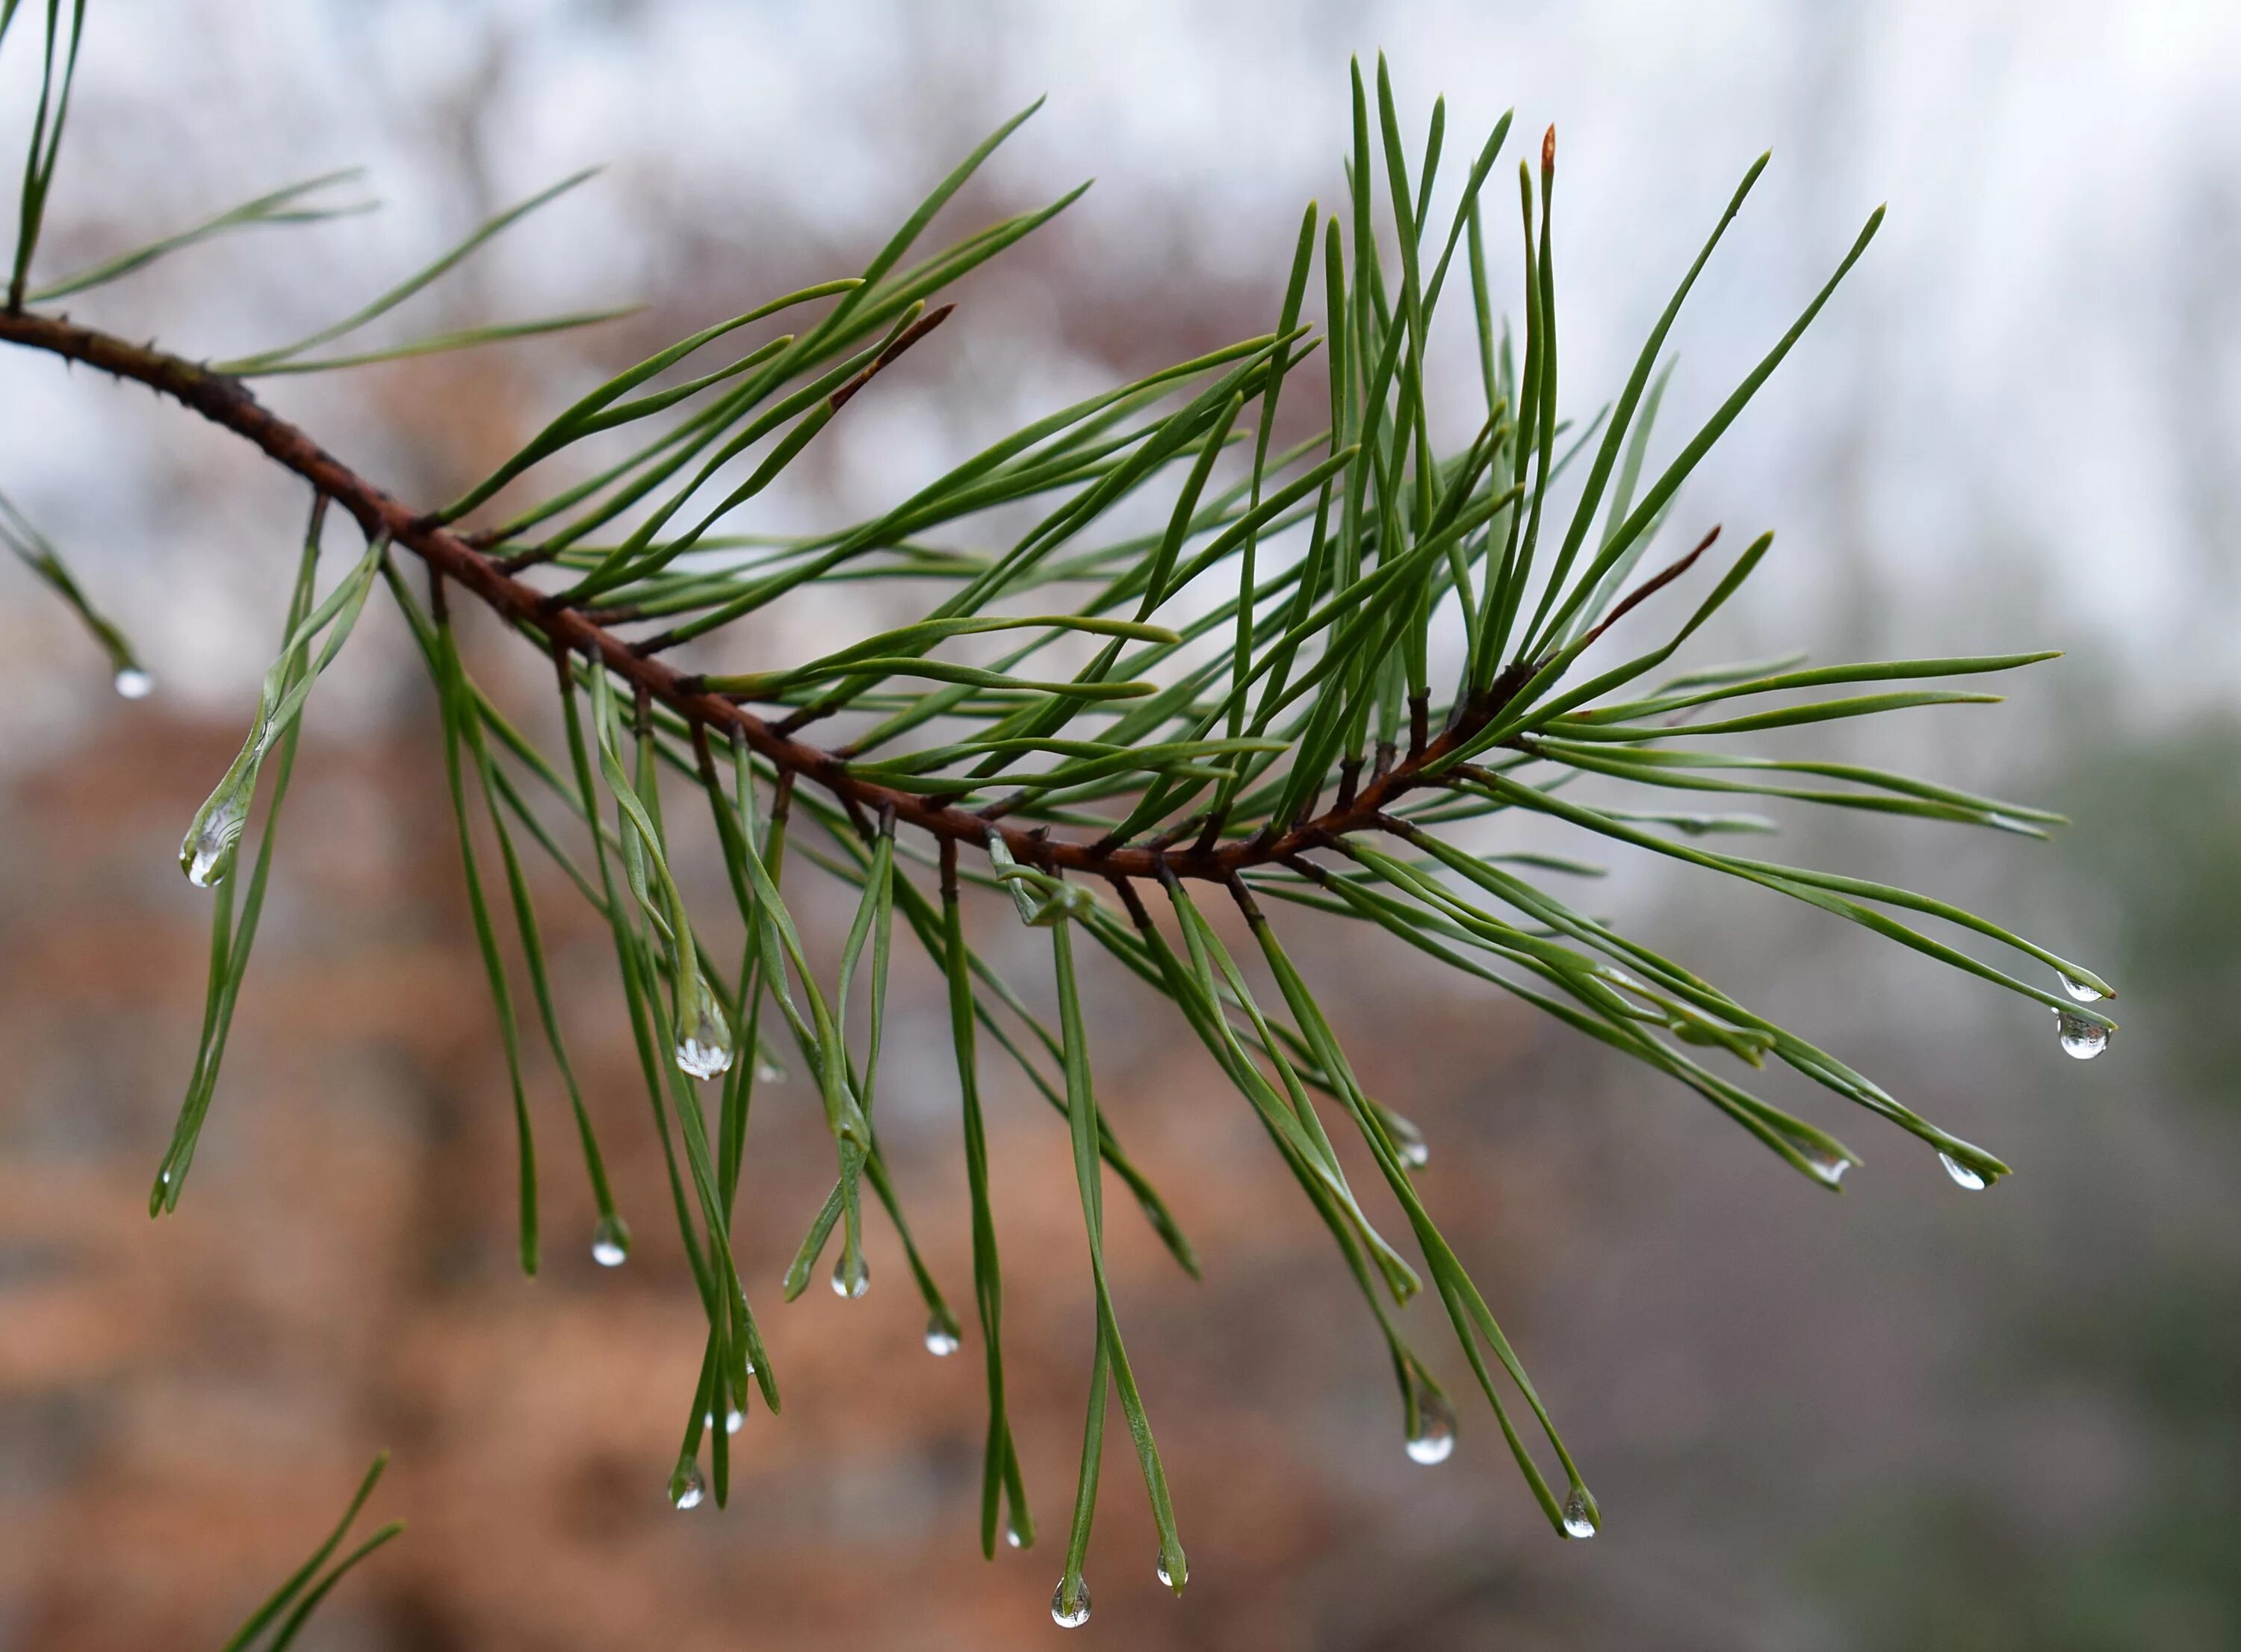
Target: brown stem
<point>229,402</point>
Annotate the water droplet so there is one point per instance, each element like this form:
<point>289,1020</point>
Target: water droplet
<point>610,1243</point>
<point>705,1052</point>
<point>2080,991</point>
<point>1012,1537</point>
<point>940,1340</point>
<point>769,1072</point>
<point>734,1420</point>
<point>1408,1141</point>
<point>848,1281</point>
<point>1579,1514</point>
<point>1826,1166</point>
<point>1070,1615</point>
<point>2081,1039</point>
<point>207,855</point>
<point>701,1059</point>
<point>1963,1176</point>
<point>1434,1439</point>
<point>687,1488</point>
<point>1167,1577</point>
<point>135,684</point>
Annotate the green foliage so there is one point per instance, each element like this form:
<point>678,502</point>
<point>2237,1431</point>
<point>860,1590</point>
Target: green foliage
<point>300,1596</point>
<point>33,550</point>
<point>1290,692</point>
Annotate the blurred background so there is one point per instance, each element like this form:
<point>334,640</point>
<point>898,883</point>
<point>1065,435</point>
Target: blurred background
<point>1906,1417</point>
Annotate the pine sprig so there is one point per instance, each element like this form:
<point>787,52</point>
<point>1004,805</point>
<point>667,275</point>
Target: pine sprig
<point>290,1607</point>
<point>1282,695</point>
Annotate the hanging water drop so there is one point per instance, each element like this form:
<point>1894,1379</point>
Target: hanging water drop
<point>1434,1440</point>
<point>705,1052</point>
<point>134,684</point>
<point>203,870</point>
<point>734,1420</point>
<point>1963,1176</point>
<point>207,855</point>
<point>1409,1141</point>
<point>687,1488</point>
<point>2081,1040</point>
<point>1012,1537</point>
<point>2080,991</point>
<point>610,1243</point>
<point>1826,1166</point>
<point>1167,1577</point>
<point>940,1340</point>
<point>769,1072</point>
<point>1070,1615</point>
<point>849,1281</point>
<point>1579,1514</point>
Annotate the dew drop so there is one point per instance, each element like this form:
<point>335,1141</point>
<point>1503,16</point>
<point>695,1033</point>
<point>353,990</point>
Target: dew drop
<point>135,684</point>
<point>851,1283</point>
<point>734,1420</point>
<point>1434,1439</point>
<point>1963,1176</point>
<point>1408,1141</point>
<point>1579,1514</point>
<point>769,1072</point>
<point>2081,1039</point>
<point>1826,1166</point>
<point>1012,1537</point>
<point>940,1340</point>
<point>1160,1570</point>
<point>207,855</point>
<point>702,1060</point>
<point>2080,991</point>
<point>687,1488</point>
<point>705,1052</point>
<point>610,1243</point>
<point>1070,1615</point>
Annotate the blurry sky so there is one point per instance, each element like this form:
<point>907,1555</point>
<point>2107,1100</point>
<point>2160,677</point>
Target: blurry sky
<point>2016,426</point>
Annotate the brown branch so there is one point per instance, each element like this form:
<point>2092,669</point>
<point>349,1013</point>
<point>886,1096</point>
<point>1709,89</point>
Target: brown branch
<point>918,329</point>
<point>1651,587</point>
<point>228,402</point>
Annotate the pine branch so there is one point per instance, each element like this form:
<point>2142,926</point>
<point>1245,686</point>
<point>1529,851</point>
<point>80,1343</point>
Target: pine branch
<point>230,404</point>
<point>1204,771</point>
